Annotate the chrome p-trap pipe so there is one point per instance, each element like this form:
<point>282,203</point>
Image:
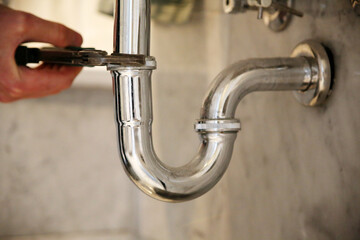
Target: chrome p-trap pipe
<point>307,72</point>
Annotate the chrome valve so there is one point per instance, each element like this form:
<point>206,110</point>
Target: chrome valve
<point>235,6</point>
<point>276,13</point>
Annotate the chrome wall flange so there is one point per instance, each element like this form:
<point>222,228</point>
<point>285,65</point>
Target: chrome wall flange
<point>278,20</point>
<point>320,90</point>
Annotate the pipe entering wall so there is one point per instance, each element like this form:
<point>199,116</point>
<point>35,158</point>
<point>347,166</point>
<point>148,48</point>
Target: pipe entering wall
<point>217,127</point>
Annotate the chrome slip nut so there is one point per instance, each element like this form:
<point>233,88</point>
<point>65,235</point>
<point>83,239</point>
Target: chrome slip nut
<point>234,6</point>
<point>150,64</point>
<point>218,125</point>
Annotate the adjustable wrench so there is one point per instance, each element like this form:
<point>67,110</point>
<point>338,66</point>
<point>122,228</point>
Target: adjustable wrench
<point>76,56</point>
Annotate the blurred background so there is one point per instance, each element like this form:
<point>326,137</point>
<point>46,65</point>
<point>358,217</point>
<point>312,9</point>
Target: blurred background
<point>294,173</point>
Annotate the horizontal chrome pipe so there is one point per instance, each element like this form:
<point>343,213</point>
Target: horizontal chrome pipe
<point>243,77</point>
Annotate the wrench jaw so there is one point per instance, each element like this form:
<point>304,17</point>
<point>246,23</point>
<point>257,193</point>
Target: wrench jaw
<point>90,57</point>
<point>126,60</point>
<point>147,63</point>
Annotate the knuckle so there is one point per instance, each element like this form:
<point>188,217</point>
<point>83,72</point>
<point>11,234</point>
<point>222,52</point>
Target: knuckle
<point>13,91</point>
<point>61,33</point>
<point>20,22</point>
<point>16,21</point>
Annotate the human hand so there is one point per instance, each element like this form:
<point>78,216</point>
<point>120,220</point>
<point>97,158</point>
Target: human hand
<point>18,82</point>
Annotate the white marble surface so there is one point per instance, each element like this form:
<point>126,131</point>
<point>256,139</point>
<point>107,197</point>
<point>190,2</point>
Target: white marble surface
<point>294,173</point>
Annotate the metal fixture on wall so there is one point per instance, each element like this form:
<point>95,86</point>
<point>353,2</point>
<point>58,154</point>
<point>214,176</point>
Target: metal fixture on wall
<point>307,72</point>
<point>275,13</point>
<point>356,6</point>
<point>5,2</point>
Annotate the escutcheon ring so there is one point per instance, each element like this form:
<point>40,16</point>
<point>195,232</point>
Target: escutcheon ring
<point>319,93</point>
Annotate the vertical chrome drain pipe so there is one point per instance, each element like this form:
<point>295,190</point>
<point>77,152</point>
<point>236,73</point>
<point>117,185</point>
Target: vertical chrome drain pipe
<point>132,27</point>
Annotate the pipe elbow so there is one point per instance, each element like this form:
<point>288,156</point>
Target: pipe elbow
<point>170,184</point>
<point>247,76</point>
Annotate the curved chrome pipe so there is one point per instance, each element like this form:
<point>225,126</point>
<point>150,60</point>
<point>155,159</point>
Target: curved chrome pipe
<point>133,106</point>
<point>217,127</point>
<point>243,77</point>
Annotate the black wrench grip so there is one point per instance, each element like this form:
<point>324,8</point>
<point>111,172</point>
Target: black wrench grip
<point>25,55</point>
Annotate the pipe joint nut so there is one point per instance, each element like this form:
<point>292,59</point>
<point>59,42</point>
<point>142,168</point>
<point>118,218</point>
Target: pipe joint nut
<point>149,64</point>
<point>217,125</point>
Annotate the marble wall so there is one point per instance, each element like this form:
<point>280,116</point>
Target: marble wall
<point>294,173</point>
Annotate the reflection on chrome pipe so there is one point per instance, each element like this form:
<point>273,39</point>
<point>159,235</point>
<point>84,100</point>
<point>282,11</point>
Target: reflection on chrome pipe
<point>241,78</point>
<point>134,118</point>
<point>308,73</point>
<point>132,27</point>
<point>217,128</point>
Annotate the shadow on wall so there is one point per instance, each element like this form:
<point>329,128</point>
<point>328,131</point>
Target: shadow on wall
<point>322,8</point>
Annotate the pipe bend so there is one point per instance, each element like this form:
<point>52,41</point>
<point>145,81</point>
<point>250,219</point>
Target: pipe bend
<point>133,108</point>
<point>133,115</point>
<point>174,184</point>
<point>246,76</point>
